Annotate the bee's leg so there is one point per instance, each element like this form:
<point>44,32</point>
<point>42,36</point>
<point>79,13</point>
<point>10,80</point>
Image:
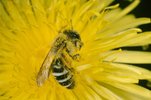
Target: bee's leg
<point>66,58</point>
<point>73,56</point>
<point>71,51</point>
<point>76,57</point>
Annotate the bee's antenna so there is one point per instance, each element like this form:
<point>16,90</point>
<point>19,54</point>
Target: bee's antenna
<point>71,25</point>
<point>68,22</point>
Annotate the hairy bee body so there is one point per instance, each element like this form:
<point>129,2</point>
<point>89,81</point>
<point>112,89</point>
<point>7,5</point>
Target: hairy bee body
<point>58,59</point>
<point>62,74</point>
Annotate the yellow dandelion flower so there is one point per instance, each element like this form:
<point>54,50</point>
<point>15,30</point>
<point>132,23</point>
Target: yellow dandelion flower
<point>29,27</point>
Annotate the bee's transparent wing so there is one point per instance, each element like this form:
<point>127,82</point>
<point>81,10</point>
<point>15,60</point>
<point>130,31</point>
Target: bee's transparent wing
<point>43,74</point>
<point>45,69</point>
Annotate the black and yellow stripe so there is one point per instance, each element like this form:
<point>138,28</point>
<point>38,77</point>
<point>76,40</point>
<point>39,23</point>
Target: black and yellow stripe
<point>62,74</point>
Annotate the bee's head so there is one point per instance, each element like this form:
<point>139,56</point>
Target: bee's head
<point>74,37</point>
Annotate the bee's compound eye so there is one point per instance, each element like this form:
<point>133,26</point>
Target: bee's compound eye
<point>72,34</point>
<point>75,36</point>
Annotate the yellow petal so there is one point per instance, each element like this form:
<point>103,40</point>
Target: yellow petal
<point>132,88</point>
<point>135,57</point>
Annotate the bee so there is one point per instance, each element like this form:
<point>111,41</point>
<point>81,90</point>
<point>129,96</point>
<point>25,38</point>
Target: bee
<point>58,60</point>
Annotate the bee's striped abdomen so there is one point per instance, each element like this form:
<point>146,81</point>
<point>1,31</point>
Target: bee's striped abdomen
<point>62,74</point>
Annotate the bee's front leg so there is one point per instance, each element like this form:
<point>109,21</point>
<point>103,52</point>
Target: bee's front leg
<point>71,50</point>
<point>73,55</point>
<point>76,57</point>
